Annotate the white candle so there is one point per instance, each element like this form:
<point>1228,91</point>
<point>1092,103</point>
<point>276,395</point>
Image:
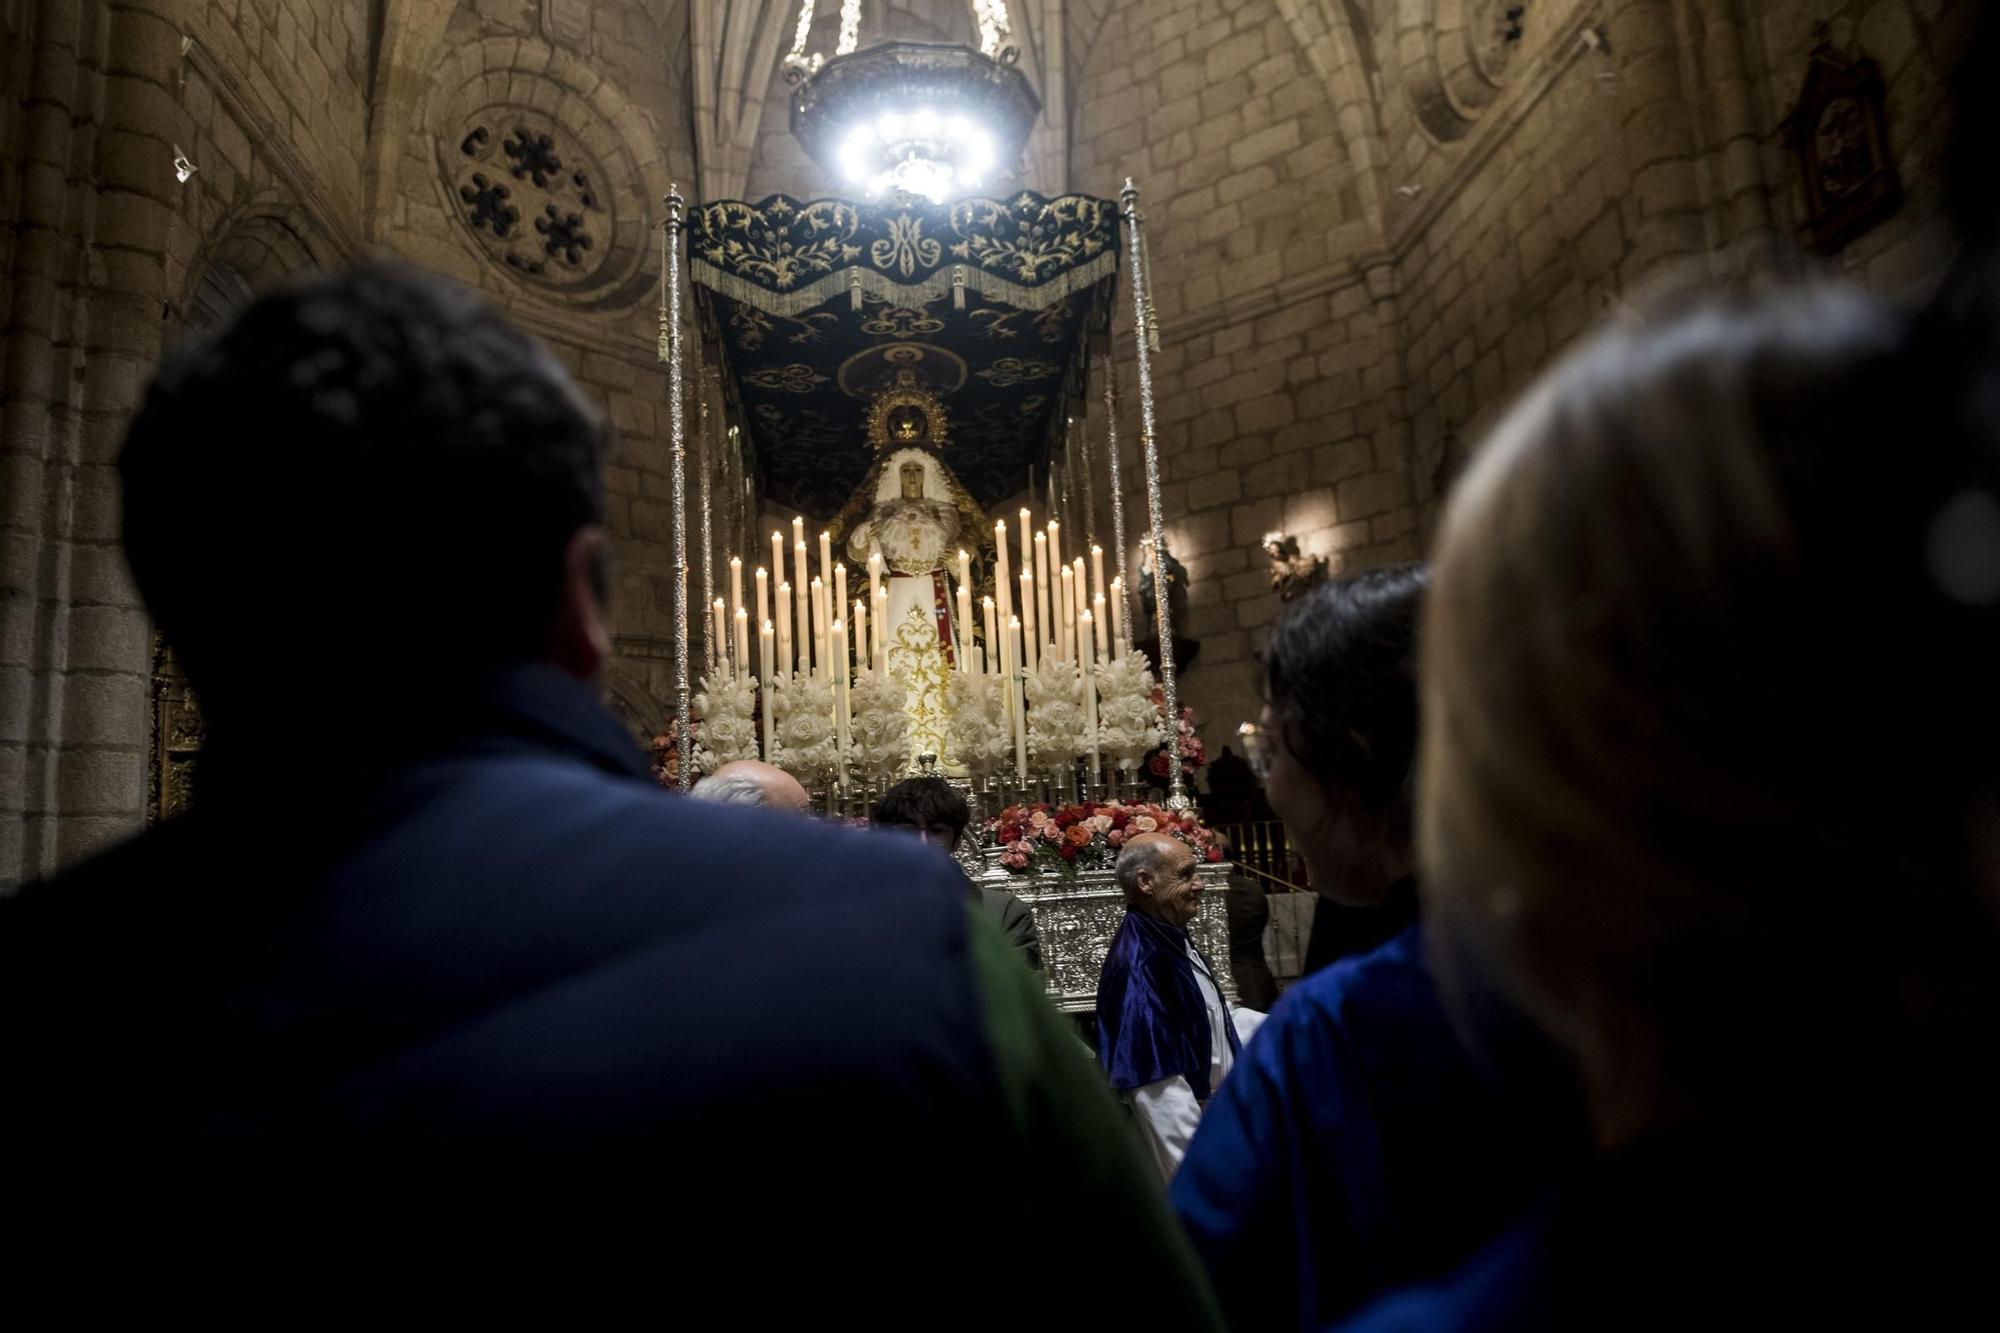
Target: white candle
<point>1044,623</point>
<point>843,728</point>
<point>764,660</point>
<point>1097,622</point>
<point>1055,557</point>
<point>874,604</point>
<point>819,627</point>
<point>1028,655</point>
<point>826,558</point>
<point>778,556</point>
<point>860,634</point>
<point>1097,573</point>
<point>736,588</point>
<point>1003,585</point>
<point>840,594</point>
<point>1089,668</point>
<point>1118,640</point>
<point>964,568</point>
<point>718,640</point>
<point>1068,617</point>
<point>964,647</point>
<point>801,589</point>
<point>742,646</point>
<point>1027,547</point>
<point>1014,702</point>
<point>763,614</point>
<point>785,659</point>
<point>1080,596</point>
<point>1082,626</point>
<point>881,627</point>
<point>992,641</point>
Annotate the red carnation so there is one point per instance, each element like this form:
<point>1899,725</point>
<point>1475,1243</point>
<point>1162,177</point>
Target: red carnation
<point>1214,854</point>
<point>1067,851</point>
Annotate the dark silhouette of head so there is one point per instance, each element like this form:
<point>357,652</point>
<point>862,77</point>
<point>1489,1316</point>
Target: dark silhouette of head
<point>368,487</point>
<point>928,805</point>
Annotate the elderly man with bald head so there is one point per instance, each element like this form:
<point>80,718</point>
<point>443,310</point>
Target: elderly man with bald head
<point>1164,1033</point>
<point>753,782</point>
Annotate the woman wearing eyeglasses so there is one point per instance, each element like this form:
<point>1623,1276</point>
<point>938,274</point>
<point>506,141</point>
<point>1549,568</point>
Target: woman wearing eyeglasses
<point>1358,1146</point>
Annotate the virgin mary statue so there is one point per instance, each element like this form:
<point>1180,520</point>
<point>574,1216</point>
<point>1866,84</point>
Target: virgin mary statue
<point>912,511</point>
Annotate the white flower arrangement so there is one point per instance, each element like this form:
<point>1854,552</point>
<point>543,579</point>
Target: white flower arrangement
<point>1056,722</point>
<point>1128,725</point>
<point>803,713</point>
<point>978,727</point>
<point>727,710</point>
<point>880,726</point>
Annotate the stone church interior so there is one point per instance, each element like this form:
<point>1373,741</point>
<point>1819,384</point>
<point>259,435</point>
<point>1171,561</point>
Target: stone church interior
<point>1294,641</point>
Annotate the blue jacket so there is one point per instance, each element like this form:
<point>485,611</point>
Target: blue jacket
<point>469,1007</point>
<point>1356,1146</point>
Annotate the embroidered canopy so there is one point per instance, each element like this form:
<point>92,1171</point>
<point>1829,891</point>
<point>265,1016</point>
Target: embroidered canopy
<point>821,305</point>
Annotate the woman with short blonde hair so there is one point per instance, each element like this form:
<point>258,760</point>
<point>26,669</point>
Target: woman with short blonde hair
<point>1685,791</point>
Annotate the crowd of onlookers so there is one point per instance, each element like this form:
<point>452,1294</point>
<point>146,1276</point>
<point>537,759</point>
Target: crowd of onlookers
<point>1673,770</point>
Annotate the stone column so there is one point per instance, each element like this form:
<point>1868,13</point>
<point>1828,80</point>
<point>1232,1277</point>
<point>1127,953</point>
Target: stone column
<point>1662,211</point>
<point>1739,201</point>
<point>86,287</point>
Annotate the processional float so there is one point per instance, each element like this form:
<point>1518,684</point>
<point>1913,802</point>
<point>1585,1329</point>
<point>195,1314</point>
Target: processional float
<point>897,369</point>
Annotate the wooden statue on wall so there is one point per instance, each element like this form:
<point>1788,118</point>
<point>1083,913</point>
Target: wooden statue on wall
<point>1839,132</point>
<point>1293,572</point>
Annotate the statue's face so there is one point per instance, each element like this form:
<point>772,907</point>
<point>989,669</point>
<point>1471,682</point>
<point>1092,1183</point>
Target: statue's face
<point>913,482</point>
<point>907,426</point>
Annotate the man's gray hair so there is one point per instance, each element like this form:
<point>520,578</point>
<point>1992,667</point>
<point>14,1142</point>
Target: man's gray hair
<point>1137,857</point>
<point>729,789</point>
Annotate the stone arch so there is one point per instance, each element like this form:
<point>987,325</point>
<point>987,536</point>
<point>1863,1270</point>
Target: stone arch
<point>253,249</point>
<point>1340,45</point>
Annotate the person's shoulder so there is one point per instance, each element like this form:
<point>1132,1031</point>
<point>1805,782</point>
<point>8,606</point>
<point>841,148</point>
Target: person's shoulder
<point>1004,903</point>
<point>637,830</point>
<point>1501,1289</point>
<point>1392,975</point>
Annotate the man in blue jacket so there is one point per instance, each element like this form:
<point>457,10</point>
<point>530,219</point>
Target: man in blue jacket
<point>435,997</point>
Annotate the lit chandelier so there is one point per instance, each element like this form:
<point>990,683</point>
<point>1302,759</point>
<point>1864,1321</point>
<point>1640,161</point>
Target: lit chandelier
<point>931,119</point>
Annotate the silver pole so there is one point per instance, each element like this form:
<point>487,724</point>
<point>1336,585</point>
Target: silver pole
<point>1131,608</point>
<point>1144,333</point>
<point>671,352</point>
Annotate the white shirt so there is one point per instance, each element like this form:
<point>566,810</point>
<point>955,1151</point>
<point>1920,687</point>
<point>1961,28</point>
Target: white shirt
<point>1167,1111</point>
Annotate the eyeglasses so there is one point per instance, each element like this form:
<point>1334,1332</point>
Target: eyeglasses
<point>1256,750</point>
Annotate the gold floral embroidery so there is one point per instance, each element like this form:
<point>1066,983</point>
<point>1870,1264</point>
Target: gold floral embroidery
<point>782,245</point>
<point>916,662</point>
<point>1008,371</point>
<point>794,378</point>
<point>1027,238</point>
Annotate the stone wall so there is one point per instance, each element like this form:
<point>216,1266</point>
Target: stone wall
<point>1373,224</point>
<point>607,84</point>
<point>1278,388</point>
<point>1629,145</point>
<point>104,263</point>
<point>316,132</point>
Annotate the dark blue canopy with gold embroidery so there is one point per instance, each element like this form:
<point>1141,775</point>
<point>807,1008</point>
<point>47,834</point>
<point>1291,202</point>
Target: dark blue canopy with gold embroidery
<point>819,305</point>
